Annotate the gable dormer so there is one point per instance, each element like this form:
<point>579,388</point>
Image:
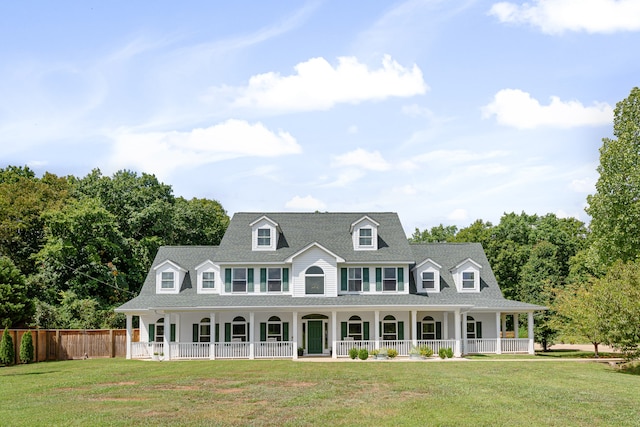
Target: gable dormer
<point>428,276</point>
<point>208,278</point>
<point>364,233</point>
<point>169,276</point>
<point>466,276</point>
<point>264,234</point>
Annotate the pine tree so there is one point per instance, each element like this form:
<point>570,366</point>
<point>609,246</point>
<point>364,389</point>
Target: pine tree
<point>26,348</point>
<point>7,352</point>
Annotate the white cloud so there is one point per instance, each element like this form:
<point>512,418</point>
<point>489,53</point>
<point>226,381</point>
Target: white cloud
<point>165,151</point>
<point>513,107</point>
<point>585,185</point>
<point>317,85</point>
<point>458,215</point>
<point>346,177</point>
<point>307,203</point>
<point>557,16</point>
<point>362,159</point>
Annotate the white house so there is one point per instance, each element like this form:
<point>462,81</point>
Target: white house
<point>324,283</point>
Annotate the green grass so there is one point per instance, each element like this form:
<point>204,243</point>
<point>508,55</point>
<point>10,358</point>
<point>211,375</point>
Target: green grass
<point>118,392</point>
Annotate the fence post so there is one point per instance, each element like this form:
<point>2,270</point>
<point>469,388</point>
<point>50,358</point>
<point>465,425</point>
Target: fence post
<point>112,353</point>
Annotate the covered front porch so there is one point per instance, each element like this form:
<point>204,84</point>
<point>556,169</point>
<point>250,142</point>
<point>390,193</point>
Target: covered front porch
<point>290,334</point>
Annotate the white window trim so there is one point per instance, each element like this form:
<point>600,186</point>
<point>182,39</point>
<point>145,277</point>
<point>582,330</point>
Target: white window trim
<point>324,282</point>
<point>349,279</point>
<point>208,267</point>
<point>178,277</point>
<point>395,275</point>
<point>233,279</point>
<point>281,280</point>
<point>264,223</point>
<point>365,223</point>
<point>428,265</point>
<point>467,266</point>
<point>433,279</point>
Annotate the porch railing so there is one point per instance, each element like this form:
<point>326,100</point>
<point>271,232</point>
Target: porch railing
<point>232,350</point>
<point>190,350</point>
<point>273,349</point>
<point>479,346</point>
<point>515,345</point>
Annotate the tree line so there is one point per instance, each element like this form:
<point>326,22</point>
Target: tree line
<point>72,249</point>
<point>588,275</point>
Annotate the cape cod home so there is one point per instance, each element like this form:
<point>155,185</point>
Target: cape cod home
<point>322,283</point>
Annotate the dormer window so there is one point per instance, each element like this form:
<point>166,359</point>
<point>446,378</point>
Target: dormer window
<point>468,280</point>
<point>264,237</point>
<point>168,280</point>
<point>428,280</point>
<point>264,234</point>
<point>365,234</point>
<point>169,276</point>
<point>366,237</point>
<point>208,280</point>
<point>467,276</point>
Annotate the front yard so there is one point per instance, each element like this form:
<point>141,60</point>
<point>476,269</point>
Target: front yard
<point>265,392</point>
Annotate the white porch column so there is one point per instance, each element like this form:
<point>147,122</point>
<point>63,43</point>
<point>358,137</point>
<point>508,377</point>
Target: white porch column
<point>334,332</point>
<point>167,336</point>
<point>516,325</point>
<point>376,327</point>
<point>252,326</point>
<point>457,352</point>
<point>530,331</point>
<point>499,318</point>
<point>178,319</point>
<point>414,327</point>
<point>445,325</point>
<point>295,334</point>
<point>212,335</point>
<point>465,344</point>
<point>129,334</point>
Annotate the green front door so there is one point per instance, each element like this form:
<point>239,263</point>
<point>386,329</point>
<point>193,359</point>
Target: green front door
<point>314,344</point>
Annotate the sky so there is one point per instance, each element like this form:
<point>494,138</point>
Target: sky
<point>444,111</point>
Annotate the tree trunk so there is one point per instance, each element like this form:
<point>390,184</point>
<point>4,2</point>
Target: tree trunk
<point>595,350</point>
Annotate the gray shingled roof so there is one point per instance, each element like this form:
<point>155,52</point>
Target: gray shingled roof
<point>445,254</point>
<point>331,230</point>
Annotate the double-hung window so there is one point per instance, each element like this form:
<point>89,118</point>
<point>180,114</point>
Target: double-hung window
<point>168,281</point>
<point>274,280</point>
<point>389,328</point>
<point>264,237</point>
<point>428,280</point>
<point>354,328</point>
<point>204,329</point>
<point>239,280</point>
<point>355,279</point>
<point>366,237</point>
<point>274,329</point>
<point>389,279</point>
<point>208,280</point>
<point>468,280</point>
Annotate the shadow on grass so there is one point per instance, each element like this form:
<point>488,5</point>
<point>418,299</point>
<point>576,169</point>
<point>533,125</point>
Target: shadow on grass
<point>630,368</point>
<point>577,354</point>
<point>16,374</point>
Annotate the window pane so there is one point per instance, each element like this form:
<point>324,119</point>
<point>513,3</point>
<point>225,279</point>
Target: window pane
<point>274,329</point>
<point>208,281</point>
<point>366,237</point>
<point>239,280</point>
<point>264,237</point>
<point>355,279</point>
<point>389,328</point>
<point>314,285</point>
<point>167,279</point>
<point>389,282</point>
<point>428,280</point>
<point>468,280</point>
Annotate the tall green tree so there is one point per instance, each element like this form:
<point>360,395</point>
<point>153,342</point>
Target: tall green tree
<point>541,277</point>
<point>83,246</point>
<point>23,200</point>
<point>198,222</point>
<point>7,352</point>
<point>15,305</point>
<point>615,207</point>
<point>621,288</point>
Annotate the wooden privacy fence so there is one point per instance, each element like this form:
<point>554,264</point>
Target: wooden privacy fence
<point>66,344</point>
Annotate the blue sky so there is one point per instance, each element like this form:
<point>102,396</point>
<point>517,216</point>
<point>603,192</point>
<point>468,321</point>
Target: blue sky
<point>443,111</point>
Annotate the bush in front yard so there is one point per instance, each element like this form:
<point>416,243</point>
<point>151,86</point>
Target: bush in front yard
<point>445,352</point>
<point>392,352</point>
<point>426,351</point>
<point>353,353</point>
<point>363,354</point>
<point>26,348</point>
<point>7,353</point>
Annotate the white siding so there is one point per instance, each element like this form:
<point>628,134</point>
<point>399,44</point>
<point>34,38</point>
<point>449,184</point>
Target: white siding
<point>318,257</point>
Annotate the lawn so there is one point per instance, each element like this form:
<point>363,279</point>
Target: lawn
<point>450,393</point>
